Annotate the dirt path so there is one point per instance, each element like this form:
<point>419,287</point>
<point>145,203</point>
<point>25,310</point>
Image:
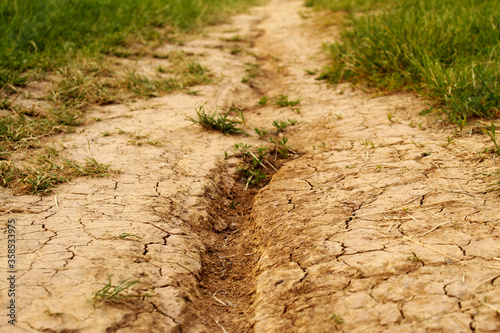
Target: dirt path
<point>378,224</point>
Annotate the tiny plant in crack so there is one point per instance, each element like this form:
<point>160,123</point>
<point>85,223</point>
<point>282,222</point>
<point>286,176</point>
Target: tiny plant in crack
<point>263,101</point>
<point>251,71</point>
<point>233,204</point>
<point>338,319</point>
<point>414,258</point>
<point>282,125</point>
<point>491,132</point>
<point>281,148</point>
<point>368,143</point>
<point>283,100</point>
<point>261,132</point>
<point>119,293</point>
<point>219,122</point>
<point>255,163</point>
<point>126,235</point>
<point>251,163</point>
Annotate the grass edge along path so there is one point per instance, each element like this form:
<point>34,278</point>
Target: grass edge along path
<point>43,39</point>
<point>445,50</point>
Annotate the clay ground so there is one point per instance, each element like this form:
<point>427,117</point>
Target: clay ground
<point>373,225</point>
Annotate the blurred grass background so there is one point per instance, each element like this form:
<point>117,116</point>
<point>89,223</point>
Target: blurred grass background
<point>67,44</point>
<point>43,34</point>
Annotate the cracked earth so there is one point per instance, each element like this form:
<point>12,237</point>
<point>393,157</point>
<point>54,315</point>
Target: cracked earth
<point>374,225</point>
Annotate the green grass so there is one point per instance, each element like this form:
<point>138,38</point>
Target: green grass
<point>219,122</point>
<point>282,100</point>
<point>43,34</point>
<point>125,235</point>
<point>445,50</point>
<point>348,5</point>
<point>281,125</point>
<point>119,293</point>
<point>255,164</point>
<point>251,72</point>
<point>72,45</point>
<point>46,170</point>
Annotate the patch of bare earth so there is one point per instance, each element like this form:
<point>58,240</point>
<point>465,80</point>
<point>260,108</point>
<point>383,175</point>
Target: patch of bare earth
<point>374,225</point>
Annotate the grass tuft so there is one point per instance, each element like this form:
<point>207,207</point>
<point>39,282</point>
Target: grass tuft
<point>219,122</point>
<point>45,171</point>
<point>283,100</point>
<point>118,293</point>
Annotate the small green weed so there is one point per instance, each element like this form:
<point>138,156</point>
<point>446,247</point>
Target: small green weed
<point>90,168</point>
<point>261,132</point>
<point>282,100</point>
<point>418,144</point>
<point>219,122</point>
<point>236,50</point>
<point>322,146</point>
<point>126,235</point>
<point>448,142</point>
<point>368,143</point>
<point>255,162</point>
<point>263,101</point>
<point>139,140</point>
<point>196,69</point>
<point>118,293</point>
<point>251,71</point>
<point>235,38</point>
<point>282,125</point>
<point>338,319</point>
<point>414,258</point>
<point>243,149</point>
<point>8,173</point>
<point>252,176</point>
<point>490,130</point>
<point>251,163</point>
<point>193,92</point>
<point>280,147</point>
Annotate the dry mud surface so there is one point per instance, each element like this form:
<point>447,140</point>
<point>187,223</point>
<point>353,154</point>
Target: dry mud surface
<point>398,236</point>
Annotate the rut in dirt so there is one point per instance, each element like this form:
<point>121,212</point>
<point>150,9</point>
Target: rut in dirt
<point>377,230</point>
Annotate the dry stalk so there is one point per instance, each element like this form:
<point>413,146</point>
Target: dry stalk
<point>218,300</point>
<point>486,281</point>
<point>414,219</point>
<point>55,200</point>
<point>434,228</point>
<point>222,328</point>
<point>434,249</point>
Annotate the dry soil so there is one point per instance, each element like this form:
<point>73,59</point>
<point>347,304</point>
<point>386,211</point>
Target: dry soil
<point>381,220</point>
